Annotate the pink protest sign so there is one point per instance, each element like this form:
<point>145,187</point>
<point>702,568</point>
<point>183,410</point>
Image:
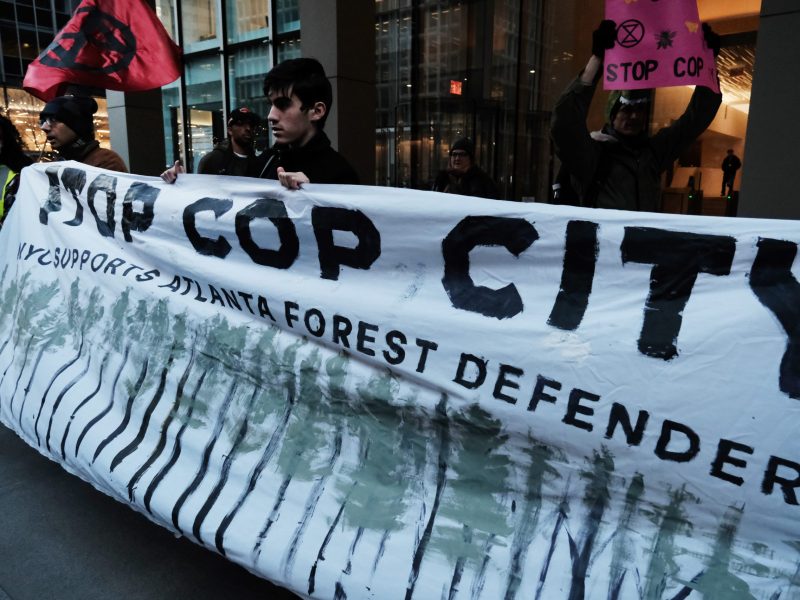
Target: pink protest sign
<point>659,44</point>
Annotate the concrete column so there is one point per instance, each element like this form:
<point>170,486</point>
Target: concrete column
<point>341,35</point>
<point>769,172</point>
<point>136,128</point>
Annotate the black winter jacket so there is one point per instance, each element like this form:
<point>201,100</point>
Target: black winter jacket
<point>320,162</point>
<point>475,182</point>
<point>222,161</point>
<point>611,172</point>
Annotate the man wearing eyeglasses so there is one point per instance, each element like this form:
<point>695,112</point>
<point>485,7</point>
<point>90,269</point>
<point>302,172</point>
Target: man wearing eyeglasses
<point>67,121</point>
<point>463,176</point>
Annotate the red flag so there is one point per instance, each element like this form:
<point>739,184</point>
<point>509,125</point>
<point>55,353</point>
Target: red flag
<point>107,44</point>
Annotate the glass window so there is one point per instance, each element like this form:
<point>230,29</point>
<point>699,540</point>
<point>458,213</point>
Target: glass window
<point>13,68</point>
<point>28,44</point>
<point>65,6</point>
<point>201,135</point>
<point>492,70</point>
<point>199,25</point>
<point>165,10</point>
<point>170,105</point>
<point>6,11</point>
<point>247,20</point>
<point>698,167</point>
<point>9,36</point>
<point>24,14</point>
<point>449,68</point>
<point>203,77</point>
<point>44,18</point>
<point>387,5</point>
<point>23,110</point>
<point>203,96</point>
<point>288,49</point>
<point>61,20</point>
<point>45,38</point>
<point>101,131</point>
<point>246,73</point>
<point>287,16</point>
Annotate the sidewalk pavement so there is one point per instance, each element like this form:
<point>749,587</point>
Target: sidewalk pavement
<point>61,539</point>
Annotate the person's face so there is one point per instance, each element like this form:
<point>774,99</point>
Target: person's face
<point>630,120</point>
<point>242,134</point>
<point>290,123</point>
<point>58,134</point>
<point>460,162</point>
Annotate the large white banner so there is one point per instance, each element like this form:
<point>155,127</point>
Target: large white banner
<point>362,392</point>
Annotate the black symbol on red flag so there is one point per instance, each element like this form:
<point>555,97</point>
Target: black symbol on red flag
<point>99,34</point>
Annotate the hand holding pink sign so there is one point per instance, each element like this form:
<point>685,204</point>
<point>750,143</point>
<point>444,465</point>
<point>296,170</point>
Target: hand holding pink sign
<point>658,44</point>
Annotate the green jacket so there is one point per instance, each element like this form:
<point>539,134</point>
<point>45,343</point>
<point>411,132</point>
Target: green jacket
<point>6,178</point>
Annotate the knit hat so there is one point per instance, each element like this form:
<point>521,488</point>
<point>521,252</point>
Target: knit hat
<point>75,112</point>
<point>619,98</point>
<point>244,115</point>
<point>464,144</point>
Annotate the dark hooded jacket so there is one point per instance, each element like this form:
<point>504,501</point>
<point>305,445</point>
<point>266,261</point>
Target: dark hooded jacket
<point>612,171</point>
<point>320,162</point>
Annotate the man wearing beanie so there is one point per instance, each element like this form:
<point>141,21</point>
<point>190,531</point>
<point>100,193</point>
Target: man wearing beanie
<point>620,167</point>
<point>463,176</point>
<point>68,124</point>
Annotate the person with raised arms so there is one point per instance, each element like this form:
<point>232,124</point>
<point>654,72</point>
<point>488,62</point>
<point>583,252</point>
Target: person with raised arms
<point>620,167</point>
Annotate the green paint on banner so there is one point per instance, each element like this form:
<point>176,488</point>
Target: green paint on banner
<point>377,483</point>
<point>671,521</point>
<point>717,580</point>
<point>475,510</point>
<point>540,471</point>
<point>621,556</point>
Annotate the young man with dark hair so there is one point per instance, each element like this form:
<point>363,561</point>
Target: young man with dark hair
<point>67,121</point>
<point>300,96</point>
<point>234,154</point>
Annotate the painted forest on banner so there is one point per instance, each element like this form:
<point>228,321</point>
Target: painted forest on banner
<point>355,396</point>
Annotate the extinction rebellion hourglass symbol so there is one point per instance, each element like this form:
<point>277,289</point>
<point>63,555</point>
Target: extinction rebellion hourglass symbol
<point>630,33</point>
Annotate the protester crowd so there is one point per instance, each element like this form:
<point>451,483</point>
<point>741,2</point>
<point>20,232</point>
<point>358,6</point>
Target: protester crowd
<point>618,167</point>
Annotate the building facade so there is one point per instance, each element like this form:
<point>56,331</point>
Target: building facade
<point>228,45</point>
<point>490,70</point>
<point>26,28</point>
<point>441,69</point>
